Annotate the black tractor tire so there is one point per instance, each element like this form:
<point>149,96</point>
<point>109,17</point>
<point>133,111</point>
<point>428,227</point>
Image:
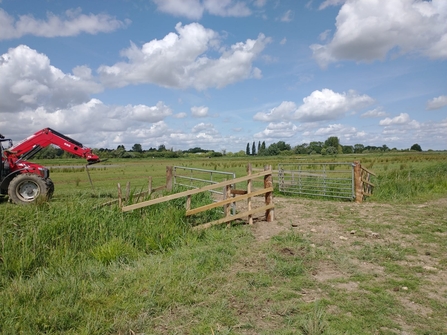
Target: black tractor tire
<point>50,188</point>
<point>26,188</point>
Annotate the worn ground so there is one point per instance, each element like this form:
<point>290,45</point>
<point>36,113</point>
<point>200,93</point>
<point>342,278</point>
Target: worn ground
<point>395,251</point>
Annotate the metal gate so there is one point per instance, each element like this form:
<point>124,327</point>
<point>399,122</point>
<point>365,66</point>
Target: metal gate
<point>196,178</point>
<point>335,180</point>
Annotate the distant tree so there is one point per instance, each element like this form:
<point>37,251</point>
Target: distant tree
<point>315,147</point>
<point>49,152</point>
<point>347,149</point>
<point>161,148</point>
<point>119,152</point>
<point>301,149</point>
<point>332,141</point>
<point>358,148</point>
<point>247,150</point>
<point>283,146</point>
<point>331,150</point>
<point>253,149</point>
<point>416,147</point>
<point>385,148</point>
<point>259,146</point>
<point>137,147</point>
<point>273,149</point>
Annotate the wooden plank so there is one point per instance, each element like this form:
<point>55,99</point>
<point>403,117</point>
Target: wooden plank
<point>228,201</point>
<point>227,195</point>
<point>367,182</point>
<point>268,183</point>
<point>233,217</point>
<point>194,191</point>
<point>249,189</point>
<point>238,192</point>
<point>169,174</point>
<point>365,169</point>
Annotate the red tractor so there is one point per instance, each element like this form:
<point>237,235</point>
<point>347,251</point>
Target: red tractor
<point>23,181</point>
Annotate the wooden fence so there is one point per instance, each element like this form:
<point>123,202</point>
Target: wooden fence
<point>231,195</point>
<point>362,182</point>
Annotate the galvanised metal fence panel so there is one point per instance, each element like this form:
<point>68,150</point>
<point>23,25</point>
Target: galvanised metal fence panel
<point>197,178</point>
<point>334,180</point>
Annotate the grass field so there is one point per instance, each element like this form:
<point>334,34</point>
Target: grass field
<point>323,267</point>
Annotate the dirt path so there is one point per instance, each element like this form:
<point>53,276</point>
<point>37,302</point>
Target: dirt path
<point>367,236</point>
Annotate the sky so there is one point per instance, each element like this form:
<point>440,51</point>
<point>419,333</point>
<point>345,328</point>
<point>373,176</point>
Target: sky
<point>218,74</point>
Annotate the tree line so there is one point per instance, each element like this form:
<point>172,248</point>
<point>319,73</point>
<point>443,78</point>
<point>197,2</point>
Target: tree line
<point>331,146</point>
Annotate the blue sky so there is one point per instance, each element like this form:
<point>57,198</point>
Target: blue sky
<point>219,74</point>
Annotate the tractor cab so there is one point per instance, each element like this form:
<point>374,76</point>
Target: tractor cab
<point>4,166</point>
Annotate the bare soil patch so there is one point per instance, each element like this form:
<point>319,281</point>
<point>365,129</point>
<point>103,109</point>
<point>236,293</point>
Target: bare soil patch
<point>368,235</point>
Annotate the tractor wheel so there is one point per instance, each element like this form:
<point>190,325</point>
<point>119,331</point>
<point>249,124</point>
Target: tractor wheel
<point>27,187</point>
<point>50,188</point>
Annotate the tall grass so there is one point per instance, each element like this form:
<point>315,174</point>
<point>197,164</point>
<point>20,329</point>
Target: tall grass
<point>410,184</point>
<point>65,252</point>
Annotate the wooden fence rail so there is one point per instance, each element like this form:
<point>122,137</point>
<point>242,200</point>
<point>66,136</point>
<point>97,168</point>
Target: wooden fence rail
<point>230,196</point>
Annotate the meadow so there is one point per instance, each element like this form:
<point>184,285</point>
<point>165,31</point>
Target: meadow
<point>324,266</point>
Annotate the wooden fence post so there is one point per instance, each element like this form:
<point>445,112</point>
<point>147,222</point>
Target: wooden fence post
<point>169,174</point>
<point>249,189</point>
<point>358,184</point>
<point>268,182</point>
<point>227,195</point>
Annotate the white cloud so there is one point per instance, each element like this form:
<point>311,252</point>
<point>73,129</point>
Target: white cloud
<point>324,35</point>
<point>287,17</point>
<point>333,130</point>
<point>71,24</point>
<point>282,112</point>
<point>329,105</point>
<point>347,134</point>
<point>283,41</point>
<point>203,135</point>
<point>437,103</point>
<point>328,3</point>
<point>180,61</point>
<point>428,134</point>
<point>318,106</point>
<point>367,31</point>
<point>402,118</point>
<point>145,113</point>
<point>277,130</point>
<point>194,9</point>
<point>376,112</point>
<point>181,115</point>
<point>98,123</point>
<point>204,128</point>
<point>30,81</point>
<point>260,3</point>
<point>200,111</point>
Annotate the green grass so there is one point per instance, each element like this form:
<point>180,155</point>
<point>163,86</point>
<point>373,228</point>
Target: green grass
<point>70,267</point>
